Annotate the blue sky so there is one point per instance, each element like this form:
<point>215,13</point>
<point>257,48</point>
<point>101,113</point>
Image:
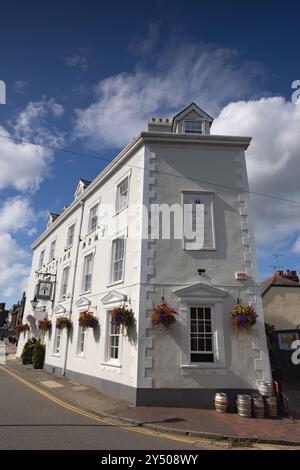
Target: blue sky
<point>77,70</point>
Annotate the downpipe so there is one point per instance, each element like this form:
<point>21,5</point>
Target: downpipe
<point>82,203</point>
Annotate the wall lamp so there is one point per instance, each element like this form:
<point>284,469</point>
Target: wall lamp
<point>34,304</point>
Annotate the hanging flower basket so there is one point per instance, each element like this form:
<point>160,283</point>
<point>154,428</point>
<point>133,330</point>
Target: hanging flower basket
<point>123,318</point>
<point>63,322</point>
<point>44,325</point>
<point>163,316</point>
<point>22,328</point>
<point>243,316</point>
<point>88,319</point>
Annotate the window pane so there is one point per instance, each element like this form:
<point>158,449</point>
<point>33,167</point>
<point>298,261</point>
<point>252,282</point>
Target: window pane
<point>82,340</point>
<point>118,260</point>
<point>87,273</point>
<point>122,195</point>
<point>113,341</point>
<point>201,336</point>
<point>93,220</point>
<point>193,127</point>
<point>70,236</point>
<point>202,357</point>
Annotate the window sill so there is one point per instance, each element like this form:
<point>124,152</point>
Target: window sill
<point>203,365</point>
<point>111,364</point>
<point>80,356</point>
<point>199,249</point>
<point>85,293</point>
<point>115,283</point>
<point>119,211</point>
<point>91,232</point>
<point>55,355</point>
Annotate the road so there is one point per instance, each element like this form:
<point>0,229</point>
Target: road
<point>29,420</point>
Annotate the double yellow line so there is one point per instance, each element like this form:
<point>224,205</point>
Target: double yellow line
<point>94,417</point>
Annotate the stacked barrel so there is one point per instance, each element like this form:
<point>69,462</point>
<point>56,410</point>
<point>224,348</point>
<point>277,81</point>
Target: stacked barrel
<point>266,390</point>
<point>264,404</point>
<point>221,402</point>
<point>244,406</point>
<point>258,406</point>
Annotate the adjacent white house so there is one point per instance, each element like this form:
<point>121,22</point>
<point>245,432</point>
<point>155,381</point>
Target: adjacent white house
<point>111,246</point>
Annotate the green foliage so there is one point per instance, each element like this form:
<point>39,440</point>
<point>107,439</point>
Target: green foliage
<point>26,355</point>
<point>38,355</point>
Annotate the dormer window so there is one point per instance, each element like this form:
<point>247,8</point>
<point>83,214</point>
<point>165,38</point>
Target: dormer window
<point>193,127</point>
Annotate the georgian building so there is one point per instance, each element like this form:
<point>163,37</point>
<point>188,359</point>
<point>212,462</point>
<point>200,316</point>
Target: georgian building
<point>108,248</point>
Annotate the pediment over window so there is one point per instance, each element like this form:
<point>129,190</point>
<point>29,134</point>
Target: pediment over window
<point>59,310</point>
<point>83,302</point>
<point>114,297</point>
<point>200,292</point>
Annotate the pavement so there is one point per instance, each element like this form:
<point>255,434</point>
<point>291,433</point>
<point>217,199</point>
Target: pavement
<point>194,423</point>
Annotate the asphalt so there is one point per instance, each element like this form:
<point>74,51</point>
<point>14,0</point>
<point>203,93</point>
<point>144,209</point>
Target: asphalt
<point>31,421</point>
<point>196,427</point>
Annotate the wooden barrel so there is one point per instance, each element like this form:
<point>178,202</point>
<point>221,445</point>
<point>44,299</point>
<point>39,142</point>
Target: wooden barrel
<point>221,402</point>
<point>271,407</point>
<point>258,406</point>
<point>244,406</point>
<point>265,388</point>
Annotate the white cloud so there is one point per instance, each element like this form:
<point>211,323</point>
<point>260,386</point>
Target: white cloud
<point>273,164</point>
<point>78,59</point>
<point>17,217</point>
<point>14,266</point>
<point>24,166</point>
<point>16,214</point>
<point>180,74</point>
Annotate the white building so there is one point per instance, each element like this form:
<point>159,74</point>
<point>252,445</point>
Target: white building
<point>100,258</point>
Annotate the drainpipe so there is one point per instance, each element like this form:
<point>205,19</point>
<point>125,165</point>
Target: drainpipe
<point>73,284</point>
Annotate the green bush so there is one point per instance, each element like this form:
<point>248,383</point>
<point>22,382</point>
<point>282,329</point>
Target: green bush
<point>26,355</point>
<point>38,355</point>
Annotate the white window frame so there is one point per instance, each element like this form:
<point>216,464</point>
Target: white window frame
<point>93,227</point>
<point>192,132</point>
<point>64,282</point>
<point>68,244</point>
<point>108,360</point>
<point>113,333</point>
<point>56,343</point>
<point>212,351</point>
<point>215,304</point>
<point>41,259</point>
<point>87,255</point>
<point>112,265</point>
<point>82,332</point>
<point>120,208</point>
<point>52,250</point>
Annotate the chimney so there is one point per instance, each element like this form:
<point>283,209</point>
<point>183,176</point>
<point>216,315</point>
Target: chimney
<point>289,274</point>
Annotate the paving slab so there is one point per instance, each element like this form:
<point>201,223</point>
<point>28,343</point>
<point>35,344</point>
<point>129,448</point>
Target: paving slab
<point>188,421</point>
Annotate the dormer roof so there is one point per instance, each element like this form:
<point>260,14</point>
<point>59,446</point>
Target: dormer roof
<point>190,120</point>
<point>191,112</point>
<point>51,218</point>
<point>81,186</point>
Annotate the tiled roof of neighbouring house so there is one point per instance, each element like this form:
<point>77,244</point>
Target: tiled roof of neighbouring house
<point>280,279</point>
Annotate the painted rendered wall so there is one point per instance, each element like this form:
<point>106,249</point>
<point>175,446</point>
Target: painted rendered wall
<point>282,307</point>
<point>167,267</point>
<point>93,362</point>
